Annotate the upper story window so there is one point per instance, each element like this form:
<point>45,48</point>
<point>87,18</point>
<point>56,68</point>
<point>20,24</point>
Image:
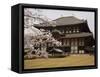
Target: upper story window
<point>70,30</point>
<point>77,29</point>
<point>66,30</point>
<point>74,30</point>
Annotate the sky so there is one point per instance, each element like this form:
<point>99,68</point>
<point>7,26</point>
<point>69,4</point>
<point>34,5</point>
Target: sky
<point>54,14</point>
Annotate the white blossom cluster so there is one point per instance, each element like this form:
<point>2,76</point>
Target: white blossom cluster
<point>35,37</point>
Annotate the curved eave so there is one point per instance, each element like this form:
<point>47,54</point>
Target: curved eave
<point>57,25</point>
<point>77,35</point>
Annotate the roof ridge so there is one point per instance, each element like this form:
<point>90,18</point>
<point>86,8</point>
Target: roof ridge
<point>67,17</point>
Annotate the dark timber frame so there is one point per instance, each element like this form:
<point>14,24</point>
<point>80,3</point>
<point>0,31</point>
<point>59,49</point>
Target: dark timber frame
<point>17,37</point>
<point>77,35</point>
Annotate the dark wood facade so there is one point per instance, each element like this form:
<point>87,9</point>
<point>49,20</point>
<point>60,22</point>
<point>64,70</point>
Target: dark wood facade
<point>73,33</point>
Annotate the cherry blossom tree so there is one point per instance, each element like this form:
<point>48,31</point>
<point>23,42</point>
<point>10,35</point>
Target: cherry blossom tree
<point>35,37</point>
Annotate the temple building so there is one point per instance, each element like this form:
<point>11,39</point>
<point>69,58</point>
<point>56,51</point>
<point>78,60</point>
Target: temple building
<point>73,33</point>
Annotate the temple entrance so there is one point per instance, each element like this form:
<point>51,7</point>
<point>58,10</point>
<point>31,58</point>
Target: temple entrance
<point>74,49</point>
<point>74,46</point>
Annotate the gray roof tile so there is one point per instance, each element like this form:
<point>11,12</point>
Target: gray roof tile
<point>68,20</point>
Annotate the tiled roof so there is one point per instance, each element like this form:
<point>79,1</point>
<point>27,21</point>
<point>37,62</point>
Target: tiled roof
<point>70,20</point>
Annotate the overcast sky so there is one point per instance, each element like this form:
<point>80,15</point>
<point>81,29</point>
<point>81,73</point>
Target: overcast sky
<point>54,14</point>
